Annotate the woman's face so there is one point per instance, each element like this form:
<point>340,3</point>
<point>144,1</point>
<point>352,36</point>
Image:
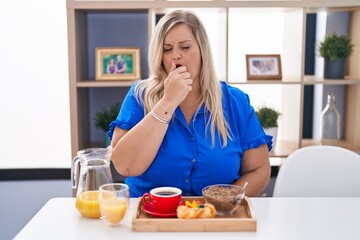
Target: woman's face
<point>181,47</point>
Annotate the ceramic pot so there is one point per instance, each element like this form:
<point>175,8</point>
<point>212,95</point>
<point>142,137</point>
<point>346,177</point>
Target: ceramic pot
<point>273,131</point>
<point>107,140</point>
<point>334,69</point>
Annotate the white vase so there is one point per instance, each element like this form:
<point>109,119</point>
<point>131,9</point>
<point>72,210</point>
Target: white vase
<point>273,131</point>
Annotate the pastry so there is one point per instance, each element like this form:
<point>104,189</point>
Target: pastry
<point>193,210</point>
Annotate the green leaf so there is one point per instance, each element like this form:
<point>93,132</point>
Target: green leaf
<point>268,117</point>
<point>105,116</point>
<point>334,47</point>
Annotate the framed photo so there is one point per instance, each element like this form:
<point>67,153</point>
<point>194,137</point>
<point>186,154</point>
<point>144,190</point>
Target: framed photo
<point>117,63</point>
<point>263,67</point>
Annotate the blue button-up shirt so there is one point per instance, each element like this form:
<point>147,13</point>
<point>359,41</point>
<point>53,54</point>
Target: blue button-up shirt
<point>186,159</point>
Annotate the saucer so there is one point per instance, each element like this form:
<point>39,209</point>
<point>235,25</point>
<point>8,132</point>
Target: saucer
<point>152,211</point>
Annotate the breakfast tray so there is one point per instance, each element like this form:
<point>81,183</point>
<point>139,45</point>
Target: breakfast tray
<point>242,220</point>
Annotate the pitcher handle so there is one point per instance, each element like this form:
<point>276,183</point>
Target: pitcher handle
<point>74,170</point>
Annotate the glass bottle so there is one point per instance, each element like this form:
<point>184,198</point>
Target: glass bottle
<point>330,121</point>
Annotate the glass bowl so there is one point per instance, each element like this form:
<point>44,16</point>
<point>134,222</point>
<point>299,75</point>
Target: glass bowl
<point>226,198</point>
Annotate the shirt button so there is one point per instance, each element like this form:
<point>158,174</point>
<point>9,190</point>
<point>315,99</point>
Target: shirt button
<point>192,139</point>
<point>187,180</point>
<point>193,161</point>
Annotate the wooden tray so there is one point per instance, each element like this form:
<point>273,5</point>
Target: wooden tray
<point>242,220</point>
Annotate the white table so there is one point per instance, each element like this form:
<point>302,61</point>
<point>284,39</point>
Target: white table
<point>277,218</point>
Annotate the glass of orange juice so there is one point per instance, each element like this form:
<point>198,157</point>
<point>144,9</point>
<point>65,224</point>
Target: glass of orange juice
<point>87,203</point>
<point>114,202</point>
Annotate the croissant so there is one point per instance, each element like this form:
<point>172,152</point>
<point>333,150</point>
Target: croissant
<point>184,212</point>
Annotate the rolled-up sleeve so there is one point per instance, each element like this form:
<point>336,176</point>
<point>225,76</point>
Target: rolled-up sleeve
<point>130,114</point>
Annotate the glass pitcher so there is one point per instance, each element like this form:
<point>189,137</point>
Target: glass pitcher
<point>94,171</point>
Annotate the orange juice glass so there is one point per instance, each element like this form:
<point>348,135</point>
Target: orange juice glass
<point>87,203</point>
<point>114,202</point>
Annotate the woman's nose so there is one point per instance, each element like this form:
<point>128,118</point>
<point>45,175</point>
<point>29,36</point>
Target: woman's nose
<point>176,55</point>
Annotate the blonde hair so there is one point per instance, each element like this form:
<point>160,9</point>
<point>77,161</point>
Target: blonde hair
<point>150,91</point>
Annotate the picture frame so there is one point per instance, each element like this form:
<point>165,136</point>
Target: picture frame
<point>263,67</point>
<point>117,63</point>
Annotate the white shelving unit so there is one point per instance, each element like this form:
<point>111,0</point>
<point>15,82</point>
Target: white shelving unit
<point>83,85</point>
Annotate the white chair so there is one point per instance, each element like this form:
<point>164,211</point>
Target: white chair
<point>319,171</point>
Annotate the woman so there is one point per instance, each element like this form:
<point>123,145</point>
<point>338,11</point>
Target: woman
<point>184,128</point>
<point>110,69</point>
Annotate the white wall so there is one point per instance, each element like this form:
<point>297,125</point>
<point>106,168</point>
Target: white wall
<point>34,95</point>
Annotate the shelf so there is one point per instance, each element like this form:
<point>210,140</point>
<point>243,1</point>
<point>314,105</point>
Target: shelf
<point>276,161</point>
<point>312,80</point>
<point>284,148</point>
<point>341,143</point>
<point>88,22</point>
<point>308,80</point>
<point>86,84</point>
<point>262,82</point>
<point>110,5</point>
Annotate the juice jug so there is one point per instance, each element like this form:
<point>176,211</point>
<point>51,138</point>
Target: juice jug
<point>94,171</point>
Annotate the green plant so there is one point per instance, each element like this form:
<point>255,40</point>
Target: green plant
<point>104,117</point>
<point>334,47</point>
<point>268,117</point>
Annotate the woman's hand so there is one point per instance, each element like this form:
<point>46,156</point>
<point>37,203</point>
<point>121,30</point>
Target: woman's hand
<point>177,85</point>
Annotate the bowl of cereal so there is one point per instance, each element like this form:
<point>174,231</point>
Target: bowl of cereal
<point>226,198</point>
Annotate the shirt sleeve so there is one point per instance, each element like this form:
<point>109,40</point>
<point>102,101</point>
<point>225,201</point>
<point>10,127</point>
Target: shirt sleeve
<point>130,114</point>
<point>254,135</point>
<point>243,120</point>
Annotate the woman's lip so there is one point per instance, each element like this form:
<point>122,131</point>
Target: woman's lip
<point>178,65</point>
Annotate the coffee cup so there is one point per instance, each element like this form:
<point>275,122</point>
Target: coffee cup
<point>163,199</point>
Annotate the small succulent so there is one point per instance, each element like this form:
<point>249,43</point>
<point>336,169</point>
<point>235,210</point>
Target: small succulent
<point>335,46</point>
<point>104,117</point>
<point>268,117</point>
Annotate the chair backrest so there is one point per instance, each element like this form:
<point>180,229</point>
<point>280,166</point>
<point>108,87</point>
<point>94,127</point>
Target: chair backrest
<point>319,171</point>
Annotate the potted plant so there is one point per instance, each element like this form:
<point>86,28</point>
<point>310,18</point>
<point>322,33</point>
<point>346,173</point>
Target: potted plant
<point>268,118</point>
<point>104,117</point>
<point>335,49</point>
